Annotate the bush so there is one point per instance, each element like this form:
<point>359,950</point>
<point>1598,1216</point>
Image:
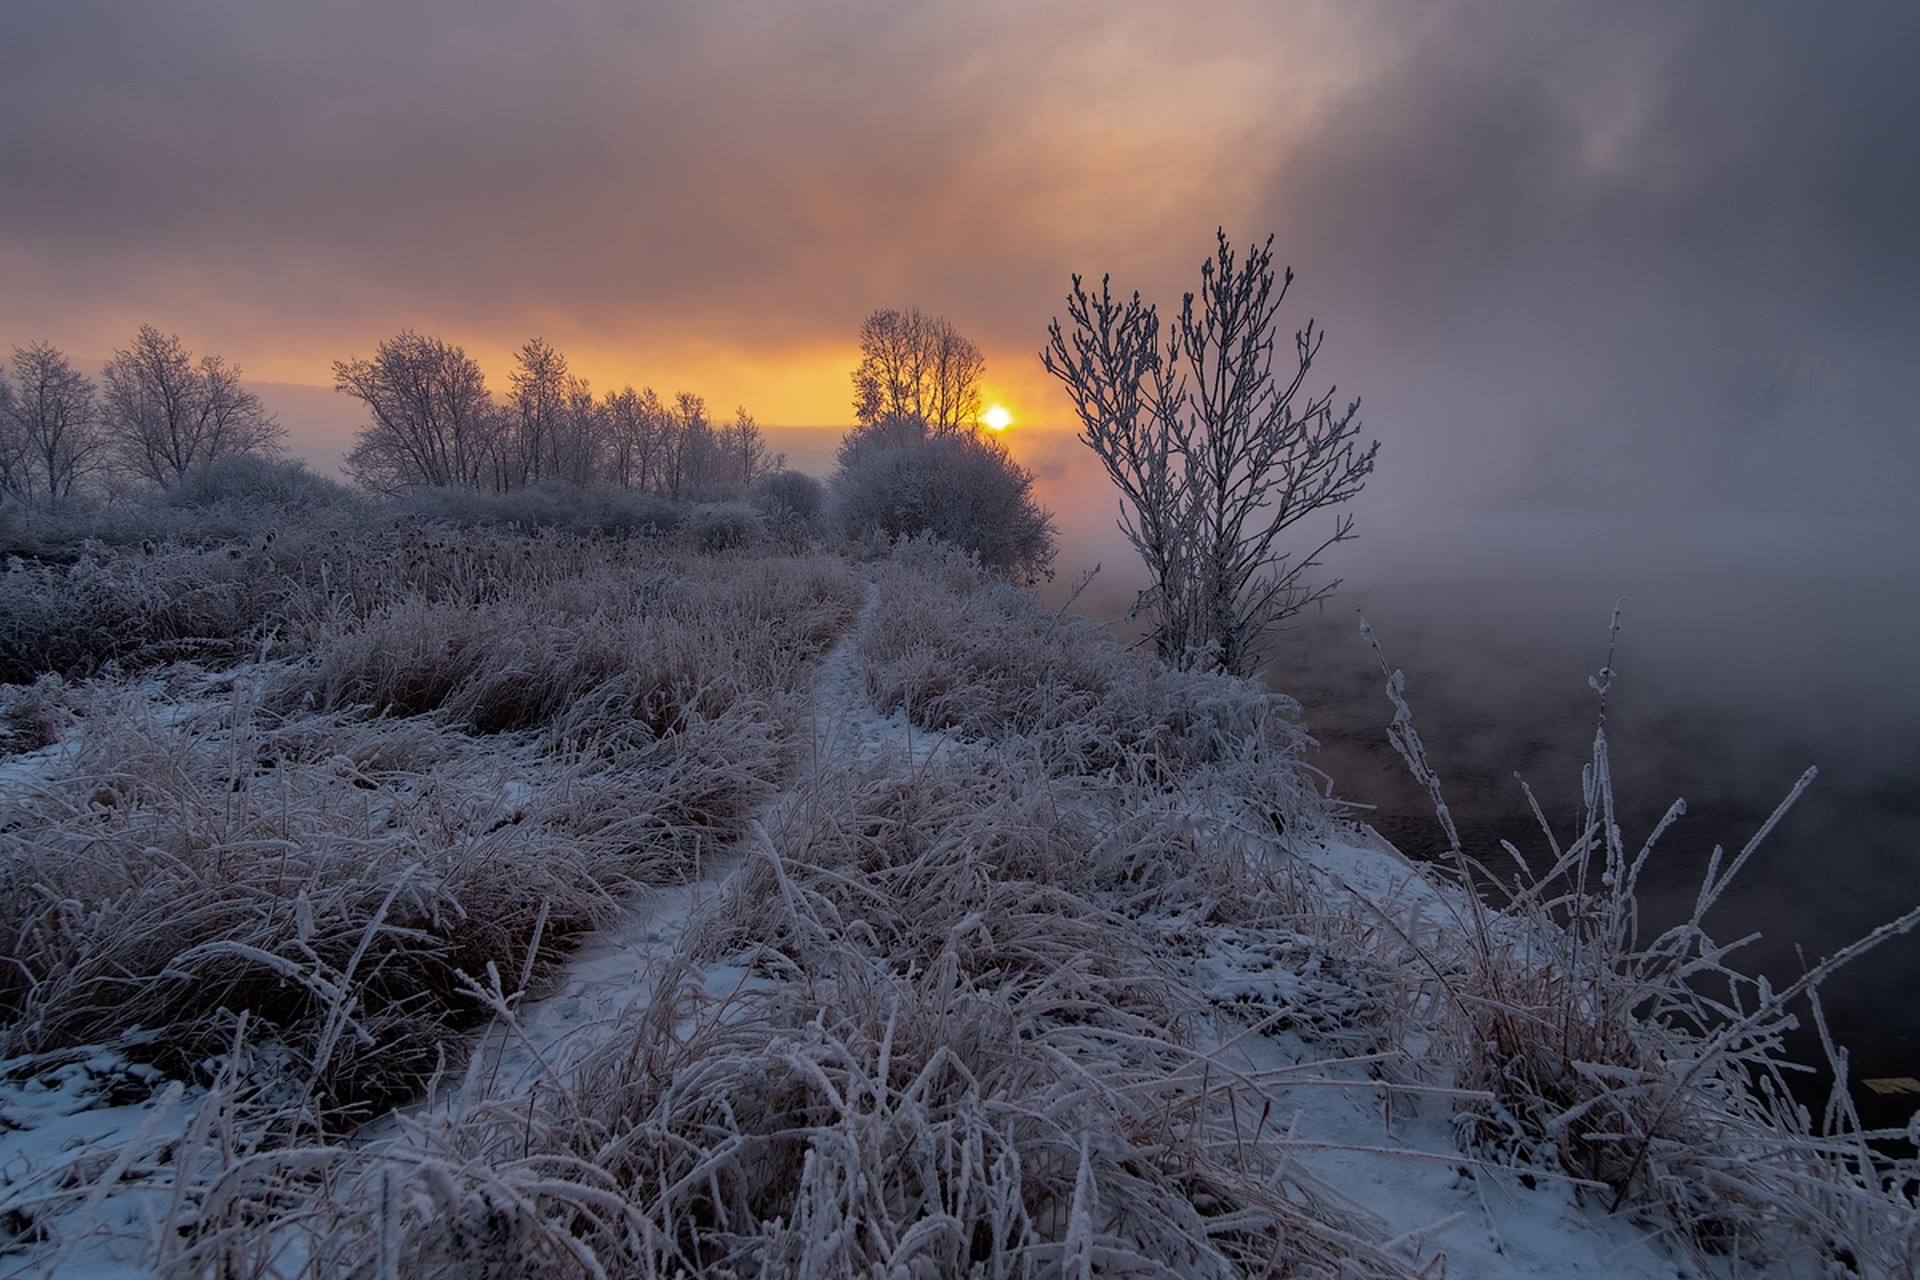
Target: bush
<point>791,501</point>
<point>252,480</point>
<point>900,481</point>
<point>726,526</point>
<point>550,505</point>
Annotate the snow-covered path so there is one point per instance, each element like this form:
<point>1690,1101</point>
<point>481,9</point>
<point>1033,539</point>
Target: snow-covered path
<point>1388,1154</point>
<point>611,978</point>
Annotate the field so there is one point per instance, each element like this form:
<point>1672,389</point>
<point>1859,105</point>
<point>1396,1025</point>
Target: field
<point>399,892</point>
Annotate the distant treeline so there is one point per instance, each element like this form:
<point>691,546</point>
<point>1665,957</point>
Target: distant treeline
<point>432,422</point>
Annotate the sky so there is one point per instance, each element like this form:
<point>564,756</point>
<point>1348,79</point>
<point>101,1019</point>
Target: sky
<point>1647,255</point>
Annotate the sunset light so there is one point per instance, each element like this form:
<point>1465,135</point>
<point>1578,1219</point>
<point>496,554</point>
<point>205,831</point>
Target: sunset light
<point>514,555</point>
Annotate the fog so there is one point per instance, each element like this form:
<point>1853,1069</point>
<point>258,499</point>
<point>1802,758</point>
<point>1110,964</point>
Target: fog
<point>1629,304</point>
<point>1627,298</point>
<point>1766,627</point>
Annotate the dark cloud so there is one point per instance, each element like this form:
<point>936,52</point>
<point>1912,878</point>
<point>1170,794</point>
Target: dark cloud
<point>1632,254</point>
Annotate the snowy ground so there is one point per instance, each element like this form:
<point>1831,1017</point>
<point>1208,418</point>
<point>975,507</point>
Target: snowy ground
<point>1382,1146</point>
<point>1393,1160</point>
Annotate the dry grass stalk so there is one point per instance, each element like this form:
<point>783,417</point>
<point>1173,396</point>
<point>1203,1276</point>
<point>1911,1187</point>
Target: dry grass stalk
<point>1655,1068</point>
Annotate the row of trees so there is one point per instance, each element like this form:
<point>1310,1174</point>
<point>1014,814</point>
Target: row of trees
<point>157,414</point>
<point>159,411</point>
<point>434,423</point>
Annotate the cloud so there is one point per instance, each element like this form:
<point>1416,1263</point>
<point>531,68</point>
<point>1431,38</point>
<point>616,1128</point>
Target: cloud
<point>602,173</point>
<point>1526,226</point>
<point>1635,250</point>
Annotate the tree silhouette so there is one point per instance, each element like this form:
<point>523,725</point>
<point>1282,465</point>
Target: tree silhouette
<point>916,366</point>
<point>165,413</point>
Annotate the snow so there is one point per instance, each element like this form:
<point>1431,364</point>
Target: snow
<point>1390,1150</point>
<point>1382,1145</point>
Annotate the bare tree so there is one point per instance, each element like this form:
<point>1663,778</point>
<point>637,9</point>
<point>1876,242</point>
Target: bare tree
<point>13,451</point>
<point>637,429</point>
<point>433,420</point>
<point>536,401</point>
<point>50,433</point>
<point>689,455</point>
<point>1213,457</point>
<point>580,439</point>
<point>166,414</point>
<point>743,451</point>
<point>916,366</point>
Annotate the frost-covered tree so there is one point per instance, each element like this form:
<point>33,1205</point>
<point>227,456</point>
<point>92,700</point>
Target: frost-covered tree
<point>166,413</point>
<point>1215,453</point>
<point>13,450</point>
<point>556,428</point>
<point>637,427</point>
<point>743,455</point>
<point>691,451</point>
<point>916,366</point>
<point>432,420</point>
<point>50,431</point>
<point>536,403</point>
<point>580,444</point>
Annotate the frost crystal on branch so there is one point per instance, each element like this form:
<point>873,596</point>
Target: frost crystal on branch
<point>1214,458</point>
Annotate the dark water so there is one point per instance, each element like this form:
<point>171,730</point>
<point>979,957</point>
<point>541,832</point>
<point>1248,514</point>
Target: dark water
<point>1497,679</point>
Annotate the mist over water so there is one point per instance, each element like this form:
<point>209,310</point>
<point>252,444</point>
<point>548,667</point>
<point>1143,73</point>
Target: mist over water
<point>1753,644</point>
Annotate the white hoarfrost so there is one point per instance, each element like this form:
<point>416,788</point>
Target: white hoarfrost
<point>883,1034</point>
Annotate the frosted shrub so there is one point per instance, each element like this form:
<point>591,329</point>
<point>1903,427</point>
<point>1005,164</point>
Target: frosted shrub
<point>251,480</point>
<point>898,480</point>
<point>790,501</point>
<point>550,506</point>
<point>726,526</point>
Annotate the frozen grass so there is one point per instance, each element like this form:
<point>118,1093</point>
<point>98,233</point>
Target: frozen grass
<point>181,577</point>
<point>331,879</point>
<point>961,652</point>
<point>333,875</point>
<point>107,607</point>
<point>1651,1067</point>
<point>923,1033</point>
<point>654,639</point>
<point>1025,1000</point>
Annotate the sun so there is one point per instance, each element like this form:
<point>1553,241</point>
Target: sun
<point>997,418</point>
